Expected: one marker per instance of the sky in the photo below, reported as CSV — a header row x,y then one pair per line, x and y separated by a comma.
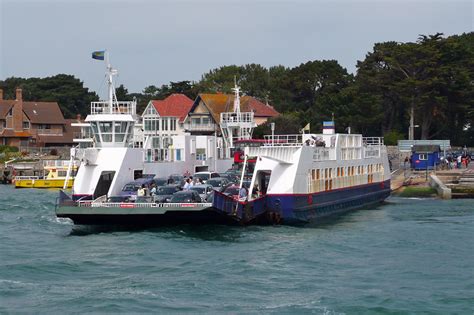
x,y
155,42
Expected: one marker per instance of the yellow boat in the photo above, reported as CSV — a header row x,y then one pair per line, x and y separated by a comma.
x,y
55,178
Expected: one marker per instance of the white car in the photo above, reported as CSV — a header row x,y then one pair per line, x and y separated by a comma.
x,y
204,176
203,190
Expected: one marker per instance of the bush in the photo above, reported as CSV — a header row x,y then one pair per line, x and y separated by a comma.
x,y
392,137
7,148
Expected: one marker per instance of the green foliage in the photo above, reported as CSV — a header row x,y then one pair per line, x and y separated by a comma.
x,y
284,124
392,137
7,149
433,75
70,93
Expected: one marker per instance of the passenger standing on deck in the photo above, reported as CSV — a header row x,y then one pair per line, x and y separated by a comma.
x,y
141,191
187,185
153,189
243,193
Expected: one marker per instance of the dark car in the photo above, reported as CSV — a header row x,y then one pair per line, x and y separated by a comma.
x,y
186,196
130,189
176,179
118,199
164,193
232,191
161,181
219,183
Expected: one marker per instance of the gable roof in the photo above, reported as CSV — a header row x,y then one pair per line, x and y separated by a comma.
x,y
43,112
175,105
220,103
5,106
37,112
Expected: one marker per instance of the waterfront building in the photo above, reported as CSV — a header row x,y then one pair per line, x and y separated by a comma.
x,y
204,116
26,124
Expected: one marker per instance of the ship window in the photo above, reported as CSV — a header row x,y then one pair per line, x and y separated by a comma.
x,y
106,137
120,127
313,174
318,175
342,171
325,173
105,126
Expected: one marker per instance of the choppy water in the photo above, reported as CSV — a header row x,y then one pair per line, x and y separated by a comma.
x,y
407,256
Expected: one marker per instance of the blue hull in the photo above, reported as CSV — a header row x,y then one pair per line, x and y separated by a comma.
x,y
294,209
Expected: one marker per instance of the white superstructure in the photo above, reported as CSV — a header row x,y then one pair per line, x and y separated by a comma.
x,y
117,156
316,163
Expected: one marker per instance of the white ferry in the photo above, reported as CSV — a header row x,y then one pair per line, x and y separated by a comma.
x,y
293,178
300,179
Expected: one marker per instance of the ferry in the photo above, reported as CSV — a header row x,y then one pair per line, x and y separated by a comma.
x,y
114,160
300,179
294,179
56,176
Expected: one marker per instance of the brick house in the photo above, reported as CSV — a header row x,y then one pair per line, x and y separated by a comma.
x,y
33,124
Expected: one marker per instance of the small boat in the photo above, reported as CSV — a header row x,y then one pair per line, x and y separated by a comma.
x,y
55,177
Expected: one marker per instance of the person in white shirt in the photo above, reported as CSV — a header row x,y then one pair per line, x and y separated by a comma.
x,y
141,191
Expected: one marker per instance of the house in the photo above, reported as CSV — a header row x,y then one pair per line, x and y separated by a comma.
x,y
425,157
162,120
34,124
204,115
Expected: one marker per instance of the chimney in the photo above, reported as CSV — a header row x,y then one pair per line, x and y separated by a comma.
x,y
19,96
18,112
1,94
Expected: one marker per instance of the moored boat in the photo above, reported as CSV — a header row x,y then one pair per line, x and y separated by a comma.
x,y
56,176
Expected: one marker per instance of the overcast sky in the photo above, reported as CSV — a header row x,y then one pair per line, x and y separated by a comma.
x,y
155,42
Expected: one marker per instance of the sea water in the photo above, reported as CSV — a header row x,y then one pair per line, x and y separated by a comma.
x,y
406,256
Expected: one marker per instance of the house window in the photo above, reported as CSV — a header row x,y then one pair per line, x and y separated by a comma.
x,y
26,125
205,121
423,156
10,112
196,121
173,124
165,124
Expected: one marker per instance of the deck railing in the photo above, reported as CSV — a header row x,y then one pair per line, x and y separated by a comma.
x,y
372,140
283,140
103,107
95,204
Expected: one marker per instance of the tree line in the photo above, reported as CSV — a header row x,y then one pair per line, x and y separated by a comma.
x,y
431,78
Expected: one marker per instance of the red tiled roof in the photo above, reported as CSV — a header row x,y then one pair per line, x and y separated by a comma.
x,y
175,105
260,109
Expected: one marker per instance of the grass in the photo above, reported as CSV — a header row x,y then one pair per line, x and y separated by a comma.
x,y
418,191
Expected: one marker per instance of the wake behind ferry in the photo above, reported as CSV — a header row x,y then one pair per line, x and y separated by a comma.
x,y
283,179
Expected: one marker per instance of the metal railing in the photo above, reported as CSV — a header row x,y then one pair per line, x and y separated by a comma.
x,y
95,204
103,107
49,132
372,140
198,127
57,163
283,140
231,117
